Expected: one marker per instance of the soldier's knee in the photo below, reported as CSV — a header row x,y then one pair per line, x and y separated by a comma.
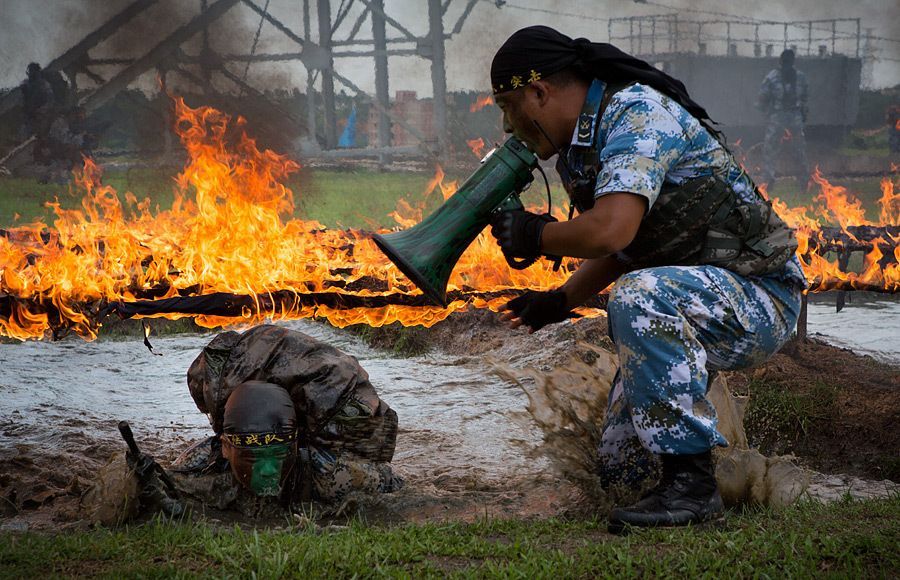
x,y
626,293
631,295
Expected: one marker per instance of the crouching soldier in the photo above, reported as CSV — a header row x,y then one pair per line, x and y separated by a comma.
x,y
295,420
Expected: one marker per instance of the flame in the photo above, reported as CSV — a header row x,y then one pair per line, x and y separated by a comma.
x,y
477,146
787,136
229,230
481,103
839,203
815,241
890,203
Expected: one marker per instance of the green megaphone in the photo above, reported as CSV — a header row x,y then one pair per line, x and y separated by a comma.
x,y
428,251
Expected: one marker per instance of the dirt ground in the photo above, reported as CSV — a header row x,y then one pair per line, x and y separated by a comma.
x,y
855,434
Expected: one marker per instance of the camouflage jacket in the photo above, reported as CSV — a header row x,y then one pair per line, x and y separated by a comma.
x,y
778,96
337,407
649,145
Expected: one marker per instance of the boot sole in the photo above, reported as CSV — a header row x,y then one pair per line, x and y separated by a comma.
x,y
620,528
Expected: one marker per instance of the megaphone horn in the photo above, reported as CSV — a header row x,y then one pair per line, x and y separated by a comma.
x,y
427,252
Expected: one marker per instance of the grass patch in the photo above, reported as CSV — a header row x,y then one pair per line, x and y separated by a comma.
x,y
337,198
855,539
399,340
779,416
357,198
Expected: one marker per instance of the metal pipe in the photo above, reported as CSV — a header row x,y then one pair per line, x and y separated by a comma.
x,y
324,10
382,89
438,74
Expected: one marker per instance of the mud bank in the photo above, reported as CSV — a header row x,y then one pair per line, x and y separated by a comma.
x,y
467,447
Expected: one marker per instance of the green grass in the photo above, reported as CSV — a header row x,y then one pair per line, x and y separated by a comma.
x,y
26,197
847,539
778,416
354,198
867,142
337,198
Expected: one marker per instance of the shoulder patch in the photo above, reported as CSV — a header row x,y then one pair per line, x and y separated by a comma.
x,y
603,178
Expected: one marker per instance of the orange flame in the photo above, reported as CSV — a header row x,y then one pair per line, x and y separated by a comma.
x,y
477,146
839,203
844,209
227,230
890,203
481,103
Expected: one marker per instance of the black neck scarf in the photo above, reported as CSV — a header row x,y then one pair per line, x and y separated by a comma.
x,y
536,52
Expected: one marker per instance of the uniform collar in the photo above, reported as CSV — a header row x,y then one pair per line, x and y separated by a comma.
x,y
586,127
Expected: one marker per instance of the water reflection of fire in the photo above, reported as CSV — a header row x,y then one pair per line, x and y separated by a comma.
x,y
228,231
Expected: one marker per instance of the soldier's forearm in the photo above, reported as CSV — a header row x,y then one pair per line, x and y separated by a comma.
x,y
591,277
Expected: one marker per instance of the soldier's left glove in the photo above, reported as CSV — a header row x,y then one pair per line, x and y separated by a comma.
x,y
538,309
518,233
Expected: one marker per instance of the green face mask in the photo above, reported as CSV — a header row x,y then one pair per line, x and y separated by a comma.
x,y
268,464
260,469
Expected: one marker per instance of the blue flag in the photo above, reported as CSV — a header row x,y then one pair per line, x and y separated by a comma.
x,y
348,137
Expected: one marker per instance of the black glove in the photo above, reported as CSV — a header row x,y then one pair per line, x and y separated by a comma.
x,y
538,309
518,233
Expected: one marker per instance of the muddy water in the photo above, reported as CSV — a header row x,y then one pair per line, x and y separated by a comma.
x,y
868,324
459,424
464,440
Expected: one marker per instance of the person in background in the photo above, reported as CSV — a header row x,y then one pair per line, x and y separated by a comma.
x,y
783,99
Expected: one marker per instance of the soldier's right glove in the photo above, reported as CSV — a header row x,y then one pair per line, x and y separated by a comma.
x,y
538,309
518,233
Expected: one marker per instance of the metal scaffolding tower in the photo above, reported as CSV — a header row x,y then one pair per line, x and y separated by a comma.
x,y
318,56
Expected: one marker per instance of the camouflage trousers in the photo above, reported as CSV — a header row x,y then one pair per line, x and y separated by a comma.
x,y
784,132
671,326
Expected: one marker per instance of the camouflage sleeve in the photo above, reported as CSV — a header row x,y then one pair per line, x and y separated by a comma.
x,y
644,141
764,98
334,476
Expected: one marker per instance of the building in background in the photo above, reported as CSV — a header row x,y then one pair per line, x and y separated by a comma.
x,y
417,113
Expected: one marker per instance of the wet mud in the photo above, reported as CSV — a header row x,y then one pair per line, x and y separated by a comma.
x,y
478,437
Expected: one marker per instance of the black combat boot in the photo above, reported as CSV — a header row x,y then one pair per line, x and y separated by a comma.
x,y
686,494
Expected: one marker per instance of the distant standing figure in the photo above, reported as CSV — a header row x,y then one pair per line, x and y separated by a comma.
x,y
783,100
893,119
37,101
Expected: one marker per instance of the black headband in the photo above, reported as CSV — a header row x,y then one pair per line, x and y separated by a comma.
x,y
537,52
258,439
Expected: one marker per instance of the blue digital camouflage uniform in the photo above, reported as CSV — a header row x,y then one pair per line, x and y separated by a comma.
x,y
674,324
784,106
